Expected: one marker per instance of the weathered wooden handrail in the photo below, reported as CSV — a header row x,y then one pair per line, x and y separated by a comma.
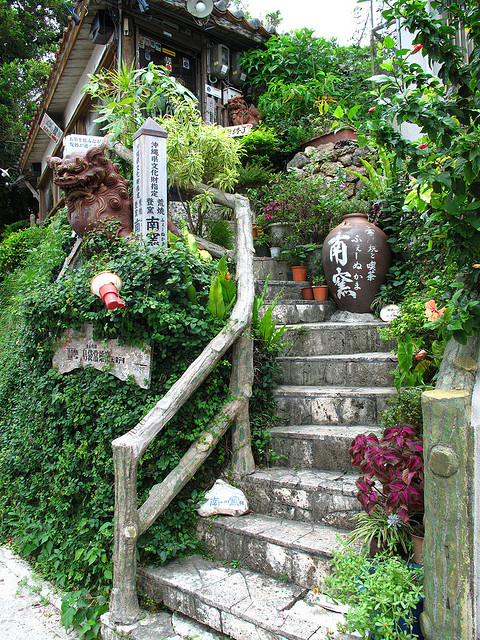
x,y
131,522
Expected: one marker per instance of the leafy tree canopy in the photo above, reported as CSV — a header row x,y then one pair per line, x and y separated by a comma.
x,y
29,31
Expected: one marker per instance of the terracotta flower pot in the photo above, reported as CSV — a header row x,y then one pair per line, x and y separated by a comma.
x,y
307,293
299,274
417,548
356,257
320,292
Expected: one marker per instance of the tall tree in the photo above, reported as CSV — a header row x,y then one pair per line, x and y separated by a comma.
x,y
29,31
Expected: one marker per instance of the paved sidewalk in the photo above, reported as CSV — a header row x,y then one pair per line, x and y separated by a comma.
x,y
25,609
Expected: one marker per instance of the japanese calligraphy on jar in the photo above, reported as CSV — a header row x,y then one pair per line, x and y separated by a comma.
x,y
150,183
356,258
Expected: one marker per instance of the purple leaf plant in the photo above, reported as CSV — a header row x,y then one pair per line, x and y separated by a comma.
x,y
392,469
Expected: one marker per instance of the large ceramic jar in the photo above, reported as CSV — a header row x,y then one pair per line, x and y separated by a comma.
x,y
356,258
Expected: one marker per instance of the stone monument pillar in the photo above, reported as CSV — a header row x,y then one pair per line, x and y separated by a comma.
x,y
150,183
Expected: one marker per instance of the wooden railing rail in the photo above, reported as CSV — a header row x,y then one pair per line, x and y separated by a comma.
x,y
130,521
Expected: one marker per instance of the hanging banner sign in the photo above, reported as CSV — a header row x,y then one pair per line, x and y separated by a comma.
x,y
52,130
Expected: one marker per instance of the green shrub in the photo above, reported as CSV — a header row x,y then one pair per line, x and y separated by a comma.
x,y
253,175
262,147
56,485
220,232
406,408
15,247
15,226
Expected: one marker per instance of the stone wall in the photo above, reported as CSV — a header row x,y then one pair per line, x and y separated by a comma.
x,y
331,160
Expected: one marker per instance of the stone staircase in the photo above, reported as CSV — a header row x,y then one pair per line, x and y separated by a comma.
x,y
335,380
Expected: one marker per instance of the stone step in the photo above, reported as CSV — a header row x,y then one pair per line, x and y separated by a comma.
x,y
317,446
295,312
332,338
298,552
263,267
285,290
332,405
240,603
373,369
308,495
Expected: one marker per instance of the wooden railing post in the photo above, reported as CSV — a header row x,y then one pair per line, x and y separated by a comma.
x,y
449,451
242,373
124,606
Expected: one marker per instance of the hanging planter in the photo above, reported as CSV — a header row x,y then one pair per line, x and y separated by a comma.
x,y
356,257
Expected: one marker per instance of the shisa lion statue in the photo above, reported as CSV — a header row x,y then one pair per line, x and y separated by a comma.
x,y
96,194
239,113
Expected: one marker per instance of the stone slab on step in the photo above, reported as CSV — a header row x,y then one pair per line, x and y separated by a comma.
x,y
263,267
330,338
308,495
317,446
240,603
332,405
298,552
156,626
285,290
372,369
293,312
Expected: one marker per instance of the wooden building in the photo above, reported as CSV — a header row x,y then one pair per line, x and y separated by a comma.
x,y
201,52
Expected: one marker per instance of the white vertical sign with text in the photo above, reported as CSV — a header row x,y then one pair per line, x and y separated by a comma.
x,y
150,183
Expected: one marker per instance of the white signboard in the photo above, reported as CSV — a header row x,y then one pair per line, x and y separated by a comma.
x,y
213,91
52,130
239,130
78,349
150,183
74,143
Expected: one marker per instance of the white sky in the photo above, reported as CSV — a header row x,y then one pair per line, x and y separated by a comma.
x,y
328,18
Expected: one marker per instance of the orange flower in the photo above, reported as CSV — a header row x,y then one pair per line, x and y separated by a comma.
x,y
316,592
432,312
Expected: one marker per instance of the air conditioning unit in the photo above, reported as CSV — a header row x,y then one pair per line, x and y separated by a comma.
x,y
220,61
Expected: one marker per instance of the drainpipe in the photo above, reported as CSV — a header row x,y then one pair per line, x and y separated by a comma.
x,y
119,29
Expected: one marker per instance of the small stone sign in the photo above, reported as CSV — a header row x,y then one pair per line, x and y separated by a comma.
x,y
390,312
78,349
238,130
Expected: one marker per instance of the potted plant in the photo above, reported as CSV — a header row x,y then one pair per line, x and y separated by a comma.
x,y
384,596
297,257
319,283
260,244
390,488
278,214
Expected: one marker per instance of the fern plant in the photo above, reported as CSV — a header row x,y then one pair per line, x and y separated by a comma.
x,y
378,181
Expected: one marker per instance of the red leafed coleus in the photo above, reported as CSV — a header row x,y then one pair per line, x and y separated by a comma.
x,y
392,469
